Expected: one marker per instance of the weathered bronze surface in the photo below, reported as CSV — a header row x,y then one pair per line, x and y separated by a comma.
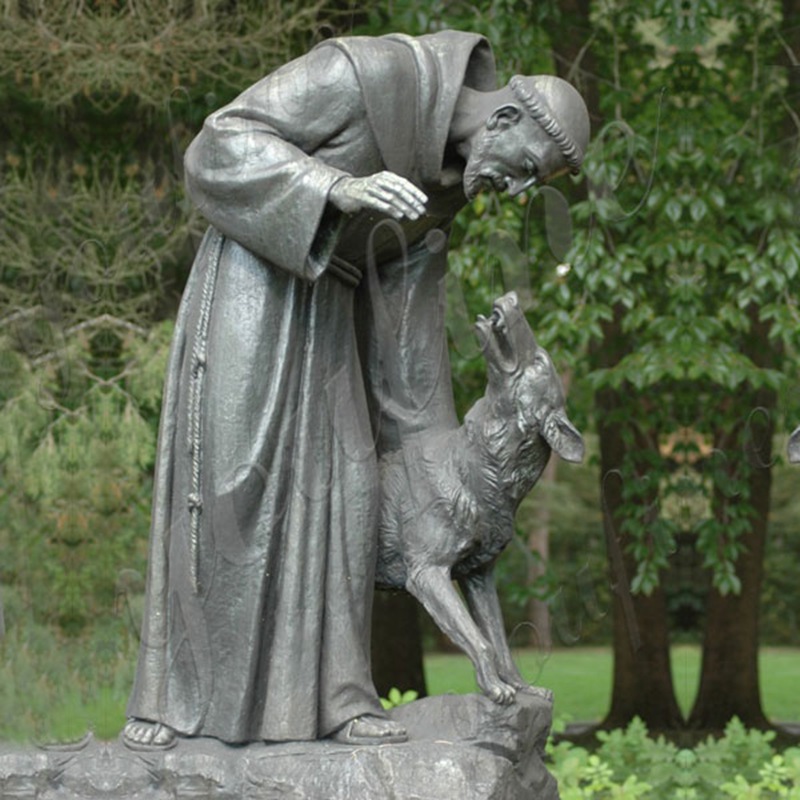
x,y
310,343
449,495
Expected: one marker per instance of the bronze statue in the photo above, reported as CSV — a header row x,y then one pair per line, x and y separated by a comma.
x,y
449,495
309,343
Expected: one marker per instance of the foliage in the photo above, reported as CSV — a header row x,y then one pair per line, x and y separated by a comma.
x,y
76,447
81,269
575,582
398,698
99,101
628,763
105,52
519,27
704,204
84,238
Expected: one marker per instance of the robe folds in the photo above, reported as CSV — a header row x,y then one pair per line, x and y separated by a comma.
x,y
307,342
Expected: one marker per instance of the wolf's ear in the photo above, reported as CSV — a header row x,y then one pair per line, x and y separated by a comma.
x,y
563,437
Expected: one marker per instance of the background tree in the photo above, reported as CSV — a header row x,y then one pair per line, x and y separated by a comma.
x,y
702,321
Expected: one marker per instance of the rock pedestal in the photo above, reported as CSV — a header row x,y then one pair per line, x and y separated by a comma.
x,y
460,747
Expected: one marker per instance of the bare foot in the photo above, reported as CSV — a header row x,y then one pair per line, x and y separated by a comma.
x,y
141,734
369,729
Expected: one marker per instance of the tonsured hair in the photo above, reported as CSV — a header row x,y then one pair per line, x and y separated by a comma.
x,y
536,105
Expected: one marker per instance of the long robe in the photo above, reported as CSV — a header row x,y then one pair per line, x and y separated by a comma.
x,y
307,342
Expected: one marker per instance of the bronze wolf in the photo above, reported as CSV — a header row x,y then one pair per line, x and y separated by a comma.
x,y
449,497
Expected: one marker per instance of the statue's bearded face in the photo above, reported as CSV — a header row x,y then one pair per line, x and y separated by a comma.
x,y
511,155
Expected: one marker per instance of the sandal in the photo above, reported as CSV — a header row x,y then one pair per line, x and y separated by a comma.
x,y
160,737
369,729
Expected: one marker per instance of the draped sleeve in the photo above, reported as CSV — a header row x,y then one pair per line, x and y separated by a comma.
x,y
252,170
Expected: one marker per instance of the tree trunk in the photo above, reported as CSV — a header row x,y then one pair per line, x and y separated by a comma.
x,y
729,679
575,62
791,33
729,683
539,542
729,673
397,644
642,680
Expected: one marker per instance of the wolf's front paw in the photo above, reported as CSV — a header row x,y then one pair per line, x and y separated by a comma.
x,y
540,691
495,688
503,694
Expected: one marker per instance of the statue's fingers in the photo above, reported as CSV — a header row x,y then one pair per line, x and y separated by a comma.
x,y
405,190
404,208
384,206
410,201
396,205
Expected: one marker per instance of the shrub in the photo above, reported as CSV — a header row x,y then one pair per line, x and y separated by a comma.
x,y
630,764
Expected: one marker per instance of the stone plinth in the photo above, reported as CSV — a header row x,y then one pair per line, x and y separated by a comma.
x,y
460,747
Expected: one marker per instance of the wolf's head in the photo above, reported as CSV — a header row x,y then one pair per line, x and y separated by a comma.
x,y
522,381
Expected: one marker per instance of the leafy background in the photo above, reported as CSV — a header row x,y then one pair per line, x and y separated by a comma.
x,y
662,280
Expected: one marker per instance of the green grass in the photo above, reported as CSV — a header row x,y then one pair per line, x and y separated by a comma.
x,y
779,669
54,690
581,678
51,690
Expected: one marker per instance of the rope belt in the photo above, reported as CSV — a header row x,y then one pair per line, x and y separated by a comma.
x,y
199,361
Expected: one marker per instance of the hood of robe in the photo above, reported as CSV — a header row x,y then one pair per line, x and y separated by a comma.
x,y
410,86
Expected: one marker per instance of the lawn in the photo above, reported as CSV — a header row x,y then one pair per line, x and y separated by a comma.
x,y
34,703
581,678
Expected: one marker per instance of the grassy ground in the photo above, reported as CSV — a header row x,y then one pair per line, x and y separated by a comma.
x,y
581,679
57,699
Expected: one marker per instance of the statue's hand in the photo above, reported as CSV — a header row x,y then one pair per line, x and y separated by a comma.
x,y
384,192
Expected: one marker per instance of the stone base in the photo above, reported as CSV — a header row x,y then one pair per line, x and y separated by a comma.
x,y
460,746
